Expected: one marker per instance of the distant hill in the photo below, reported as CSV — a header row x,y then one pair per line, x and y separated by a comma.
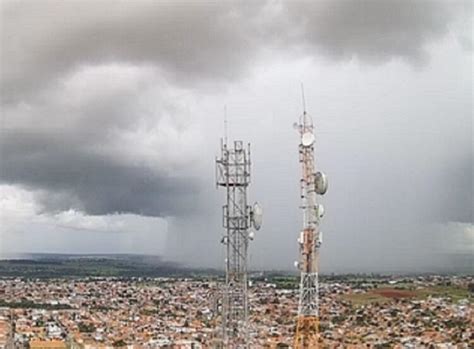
x,y
46,265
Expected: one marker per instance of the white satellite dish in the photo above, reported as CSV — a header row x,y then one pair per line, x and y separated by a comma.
x,y
257,214
320,183
319,211
297,264
301,238
307,139
319,241
251,235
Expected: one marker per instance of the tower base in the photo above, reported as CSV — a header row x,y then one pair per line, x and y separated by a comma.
x,y
307,329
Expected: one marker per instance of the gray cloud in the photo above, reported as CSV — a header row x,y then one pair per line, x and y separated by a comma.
x,y
42,40
373,31
208,41
112,106
113,147
68,177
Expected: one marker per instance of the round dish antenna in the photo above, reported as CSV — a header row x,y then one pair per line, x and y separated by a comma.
x,y
320,183
257,214
319,211
307,139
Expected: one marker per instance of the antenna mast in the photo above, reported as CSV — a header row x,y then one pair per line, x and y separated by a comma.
x,y
225,124
310,239
303,99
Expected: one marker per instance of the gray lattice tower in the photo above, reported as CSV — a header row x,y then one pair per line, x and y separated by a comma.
x,y
233,173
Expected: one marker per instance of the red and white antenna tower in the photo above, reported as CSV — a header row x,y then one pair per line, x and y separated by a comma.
x,y
312,184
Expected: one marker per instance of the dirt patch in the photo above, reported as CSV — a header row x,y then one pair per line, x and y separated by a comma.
x,y
394,293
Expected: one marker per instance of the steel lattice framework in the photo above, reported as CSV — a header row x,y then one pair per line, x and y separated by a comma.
x,y
233,173
309,241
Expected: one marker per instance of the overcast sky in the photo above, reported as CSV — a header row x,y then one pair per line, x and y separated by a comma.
x,y
112,113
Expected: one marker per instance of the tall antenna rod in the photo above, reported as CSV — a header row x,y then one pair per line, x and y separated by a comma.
x,y
225,124
302,96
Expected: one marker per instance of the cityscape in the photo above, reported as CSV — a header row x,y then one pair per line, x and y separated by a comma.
x,y
374,311
265,174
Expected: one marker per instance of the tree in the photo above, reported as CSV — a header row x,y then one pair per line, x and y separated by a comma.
x,y
119,343
85,328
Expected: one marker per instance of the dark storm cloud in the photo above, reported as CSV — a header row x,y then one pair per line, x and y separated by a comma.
x,y
371,30
70,178
199,41
63,131
112,106
103,140
187,39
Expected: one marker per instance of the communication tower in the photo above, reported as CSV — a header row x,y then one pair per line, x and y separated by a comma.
x,y
233,173
312,184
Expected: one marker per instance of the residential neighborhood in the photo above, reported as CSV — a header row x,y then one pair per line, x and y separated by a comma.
x,y
408,312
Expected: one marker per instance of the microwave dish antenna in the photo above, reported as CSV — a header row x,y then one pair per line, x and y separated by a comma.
x,y
257,216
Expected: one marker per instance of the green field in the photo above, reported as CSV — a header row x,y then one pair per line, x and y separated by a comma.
x,y
455,293
385,294
358,299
